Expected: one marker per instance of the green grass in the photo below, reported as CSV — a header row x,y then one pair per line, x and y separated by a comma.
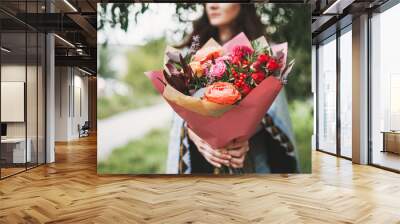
x,y
109,106
147,155
302,121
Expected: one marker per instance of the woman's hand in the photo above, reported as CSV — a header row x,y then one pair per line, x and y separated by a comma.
x,y
216,157
238,151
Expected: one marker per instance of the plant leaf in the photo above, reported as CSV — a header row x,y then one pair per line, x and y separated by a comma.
x,y
177,82
187,70
172,69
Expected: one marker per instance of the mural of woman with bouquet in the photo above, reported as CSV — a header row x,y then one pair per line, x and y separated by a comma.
x,y
271,147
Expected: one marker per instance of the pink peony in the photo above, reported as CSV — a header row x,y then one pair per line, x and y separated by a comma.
x,y
217,69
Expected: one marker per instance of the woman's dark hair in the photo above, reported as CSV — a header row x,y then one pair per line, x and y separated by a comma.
x,y
247,21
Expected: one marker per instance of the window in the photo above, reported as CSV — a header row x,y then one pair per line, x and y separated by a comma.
x,y
346,92
327,95
22,78
385,89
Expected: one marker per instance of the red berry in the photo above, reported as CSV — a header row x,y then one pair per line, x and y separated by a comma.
x,y
246,89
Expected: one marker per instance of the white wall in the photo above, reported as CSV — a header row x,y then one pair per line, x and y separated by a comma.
x,y
80,109
327,96
14,73
71,94
62,81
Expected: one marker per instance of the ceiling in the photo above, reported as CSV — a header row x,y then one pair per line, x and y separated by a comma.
x,y
329,15
74,22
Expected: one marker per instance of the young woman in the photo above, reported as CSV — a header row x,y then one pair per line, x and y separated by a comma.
x,y
271,149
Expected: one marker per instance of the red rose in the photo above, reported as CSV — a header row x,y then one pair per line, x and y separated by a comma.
x,y
258,77
241,51
245,89
236,60
272,65
261,61
262,58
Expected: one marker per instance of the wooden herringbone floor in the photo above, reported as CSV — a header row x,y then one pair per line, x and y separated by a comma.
x,y
70,191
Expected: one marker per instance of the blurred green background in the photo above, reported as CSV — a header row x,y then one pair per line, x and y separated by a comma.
x,y
148,154
141,92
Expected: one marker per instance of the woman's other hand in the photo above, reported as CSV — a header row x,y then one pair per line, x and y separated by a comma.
x,y
216,157
238,151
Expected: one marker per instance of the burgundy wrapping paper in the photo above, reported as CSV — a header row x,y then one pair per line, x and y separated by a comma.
x,y
238,124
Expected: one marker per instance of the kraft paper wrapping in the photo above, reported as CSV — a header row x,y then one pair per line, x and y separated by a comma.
x,y
210,45
193,104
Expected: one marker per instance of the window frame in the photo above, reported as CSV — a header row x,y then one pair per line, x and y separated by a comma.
x,y
343,26
29,29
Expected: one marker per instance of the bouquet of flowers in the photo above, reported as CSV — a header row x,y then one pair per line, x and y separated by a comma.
x,y
223,92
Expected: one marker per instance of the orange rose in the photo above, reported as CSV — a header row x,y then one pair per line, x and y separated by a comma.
x,y
197,68
222,93
207,53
